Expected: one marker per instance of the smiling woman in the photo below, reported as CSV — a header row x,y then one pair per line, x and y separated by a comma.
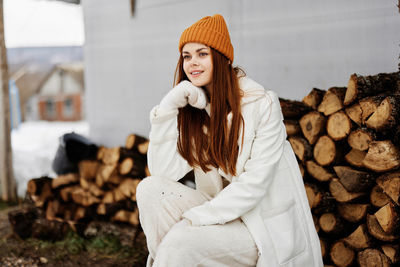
x,y
249,207
197,64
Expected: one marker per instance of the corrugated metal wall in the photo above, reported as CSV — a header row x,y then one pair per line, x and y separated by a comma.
x,y
288,46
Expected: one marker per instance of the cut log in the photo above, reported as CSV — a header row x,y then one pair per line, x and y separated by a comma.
x,y
340,193
128,188
66,192
313,195
359,239
66,179
386,116
53,209
127,216
132,168
88,169
361,138
115,179
21,221
83,197
35,186
330,223
382,156
341,254
292,127
352,212
369,105
318,172
324,248
372,258
134,140
49,230
319,200
109,209
332,101
111,155
100,153
143,148
104,173
325,152
316,222
390,184
338,125
314,98
355,113
362,86
42,190
388,218
108,197
302,171
301,147
95,190
392,252
312,125
375,229
355,157
292,109
377,197
354,180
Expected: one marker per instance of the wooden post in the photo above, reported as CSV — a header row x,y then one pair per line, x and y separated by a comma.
x,y
7,184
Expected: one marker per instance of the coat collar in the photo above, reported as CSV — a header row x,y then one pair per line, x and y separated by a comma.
x,y
251,91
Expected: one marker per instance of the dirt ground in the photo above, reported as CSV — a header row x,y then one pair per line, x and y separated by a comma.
x,y
73,250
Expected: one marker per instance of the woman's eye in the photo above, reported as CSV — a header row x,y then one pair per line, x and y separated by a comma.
x,y
203,54
185,57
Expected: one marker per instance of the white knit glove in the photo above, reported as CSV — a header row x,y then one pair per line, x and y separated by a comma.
x,y
182,94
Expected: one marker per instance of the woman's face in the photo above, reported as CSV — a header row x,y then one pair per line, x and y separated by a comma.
x,y
197,64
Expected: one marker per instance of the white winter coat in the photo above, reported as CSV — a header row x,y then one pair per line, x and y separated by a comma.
x,y
268,191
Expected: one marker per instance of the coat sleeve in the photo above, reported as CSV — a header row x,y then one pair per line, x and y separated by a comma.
x,y
163,157
245,192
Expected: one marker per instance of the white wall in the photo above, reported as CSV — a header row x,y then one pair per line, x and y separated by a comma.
x,y
288,46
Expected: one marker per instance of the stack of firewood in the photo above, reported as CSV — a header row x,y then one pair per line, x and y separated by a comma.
x,y
347,144
102,189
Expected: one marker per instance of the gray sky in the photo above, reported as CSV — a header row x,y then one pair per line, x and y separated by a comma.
x,y
42,23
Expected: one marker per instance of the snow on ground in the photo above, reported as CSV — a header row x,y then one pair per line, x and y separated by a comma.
x,y
34,145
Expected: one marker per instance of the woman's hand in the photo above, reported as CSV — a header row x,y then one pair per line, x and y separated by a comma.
x,y
182,94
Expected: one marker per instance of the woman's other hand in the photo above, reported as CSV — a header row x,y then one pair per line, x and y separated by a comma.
x,y
182,94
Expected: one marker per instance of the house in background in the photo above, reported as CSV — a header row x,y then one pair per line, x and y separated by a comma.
x,y
60,97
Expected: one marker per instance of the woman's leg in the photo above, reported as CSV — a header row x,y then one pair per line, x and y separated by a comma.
x,y
161,202
214,245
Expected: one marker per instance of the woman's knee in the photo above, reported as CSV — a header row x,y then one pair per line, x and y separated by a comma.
x,y
148,187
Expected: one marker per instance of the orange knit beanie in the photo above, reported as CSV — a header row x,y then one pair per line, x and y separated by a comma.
x,y
211,31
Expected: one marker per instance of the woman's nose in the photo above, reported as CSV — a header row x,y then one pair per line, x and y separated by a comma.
x,y
194,61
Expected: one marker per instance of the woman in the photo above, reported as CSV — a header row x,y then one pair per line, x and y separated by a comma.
x,y
249,207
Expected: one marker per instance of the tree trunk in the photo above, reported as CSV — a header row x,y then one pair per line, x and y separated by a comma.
x,y
7,184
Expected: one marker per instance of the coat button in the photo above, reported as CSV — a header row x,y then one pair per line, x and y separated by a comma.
x,y
259,253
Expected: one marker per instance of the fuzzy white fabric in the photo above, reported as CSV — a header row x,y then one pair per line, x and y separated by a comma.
x,y
175,242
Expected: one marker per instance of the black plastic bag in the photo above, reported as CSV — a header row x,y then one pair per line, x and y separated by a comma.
x,y
72,149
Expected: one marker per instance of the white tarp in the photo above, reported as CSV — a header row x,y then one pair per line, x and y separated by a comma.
x,y
34,145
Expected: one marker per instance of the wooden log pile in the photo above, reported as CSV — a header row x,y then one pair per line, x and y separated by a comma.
x,y
102,189
347,142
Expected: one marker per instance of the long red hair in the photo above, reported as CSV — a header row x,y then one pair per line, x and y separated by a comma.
x,y
208,140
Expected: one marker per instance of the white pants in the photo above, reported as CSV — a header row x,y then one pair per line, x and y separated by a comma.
x,y
173,242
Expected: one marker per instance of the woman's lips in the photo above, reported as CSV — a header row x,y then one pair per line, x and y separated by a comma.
x,y
196,73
